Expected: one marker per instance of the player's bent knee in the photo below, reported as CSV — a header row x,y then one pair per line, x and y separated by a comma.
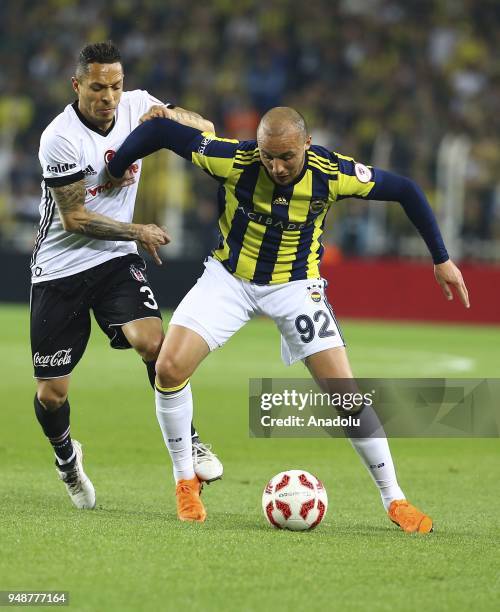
x,y
51,399
145,336
170,372
149,348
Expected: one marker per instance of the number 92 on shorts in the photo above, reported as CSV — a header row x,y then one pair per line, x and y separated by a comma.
x,y
220,304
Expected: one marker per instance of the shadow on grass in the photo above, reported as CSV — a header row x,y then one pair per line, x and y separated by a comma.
x,y
56,507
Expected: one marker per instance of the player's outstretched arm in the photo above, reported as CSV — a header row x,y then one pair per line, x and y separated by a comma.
x,y
449,277
392,187
206,150
151,136
76,218
179,115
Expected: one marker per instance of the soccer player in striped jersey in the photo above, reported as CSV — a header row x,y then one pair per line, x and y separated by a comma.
x,y
274,195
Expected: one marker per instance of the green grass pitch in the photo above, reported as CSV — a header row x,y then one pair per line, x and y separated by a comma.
x,y
132,554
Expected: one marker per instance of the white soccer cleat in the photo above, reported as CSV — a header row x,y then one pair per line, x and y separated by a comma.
x,y
206,464
77,483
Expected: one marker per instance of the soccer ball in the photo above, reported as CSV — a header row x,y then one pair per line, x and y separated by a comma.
x,y
294,500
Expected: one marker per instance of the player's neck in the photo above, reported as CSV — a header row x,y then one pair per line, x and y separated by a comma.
x,y
101,127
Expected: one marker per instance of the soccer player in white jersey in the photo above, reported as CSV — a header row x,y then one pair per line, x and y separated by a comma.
x,y
85,256
274,195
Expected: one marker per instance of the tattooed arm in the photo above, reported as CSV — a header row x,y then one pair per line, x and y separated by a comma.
x,y
70,201
191,119
180,115
75,218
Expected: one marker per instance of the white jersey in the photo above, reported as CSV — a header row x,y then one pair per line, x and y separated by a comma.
x,y
72,149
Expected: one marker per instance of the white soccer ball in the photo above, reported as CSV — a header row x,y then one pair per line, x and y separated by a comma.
x,y
294,500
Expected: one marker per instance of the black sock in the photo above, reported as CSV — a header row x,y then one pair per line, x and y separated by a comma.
x,y
55,425
150,367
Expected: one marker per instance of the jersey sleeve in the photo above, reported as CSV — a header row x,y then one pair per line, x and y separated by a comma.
x,y
142,101
149,100
210,153
354,179
214,155
60,160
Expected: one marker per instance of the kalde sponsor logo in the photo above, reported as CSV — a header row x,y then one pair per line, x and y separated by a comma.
x,y
58,168
62,357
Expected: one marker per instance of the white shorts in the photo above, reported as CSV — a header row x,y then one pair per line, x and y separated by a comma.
x,y
220,304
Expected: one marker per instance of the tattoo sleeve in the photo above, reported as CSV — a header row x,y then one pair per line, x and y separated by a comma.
x,y
191,119
70,197
70,201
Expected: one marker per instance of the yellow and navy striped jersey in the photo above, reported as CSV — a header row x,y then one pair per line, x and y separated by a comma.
x,y
271,234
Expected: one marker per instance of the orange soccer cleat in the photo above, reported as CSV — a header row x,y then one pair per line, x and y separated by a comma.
x,y
189,504
409,518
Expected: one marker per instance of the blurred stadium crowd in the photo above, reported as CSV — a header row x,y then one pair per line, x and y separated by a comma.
x,y
381,80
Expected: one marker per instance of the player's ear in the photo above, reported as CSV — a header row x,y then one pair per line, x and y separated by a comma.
x,y
307,144
75,84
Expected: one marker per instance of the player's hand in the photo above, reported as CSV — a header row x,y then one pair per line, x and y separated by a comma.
x,y
449,276
151,237
158,111
125,181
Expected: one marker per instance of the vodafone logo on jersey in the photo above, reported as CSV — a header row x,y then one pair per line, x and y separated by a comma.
x,y
60,358
93,191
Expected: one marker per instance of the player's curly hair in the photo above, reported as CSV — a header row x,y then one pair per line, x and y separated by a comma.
x,y
100,53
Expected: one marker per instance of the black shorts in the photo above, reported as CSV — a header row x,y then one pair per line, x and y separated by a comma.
x,y
116,290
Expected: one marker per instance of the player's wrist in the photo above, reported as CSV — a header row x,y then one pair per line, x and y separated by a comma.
x,y
138,231
114,179
442,263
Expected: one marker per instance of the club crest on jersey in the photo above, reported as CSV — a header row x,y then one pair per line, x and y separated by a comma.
x,y
317,205
108,156
281,201
315,296
137,273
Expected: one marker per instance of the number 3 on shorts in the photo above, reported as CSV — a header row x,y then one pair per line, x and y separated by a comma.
x,y
305,326
150,302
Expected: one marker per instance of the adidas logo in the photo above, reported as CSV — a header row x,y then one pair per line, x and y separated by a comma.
x,y
280,201
89,171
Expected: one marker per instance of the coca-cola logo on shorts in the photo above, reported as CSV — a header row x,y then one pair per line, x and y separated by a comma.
x,y
60,358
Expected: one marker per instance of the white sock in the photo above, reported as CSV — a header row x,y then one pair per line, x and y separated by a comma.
x,y
174,411
376,455
373,448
